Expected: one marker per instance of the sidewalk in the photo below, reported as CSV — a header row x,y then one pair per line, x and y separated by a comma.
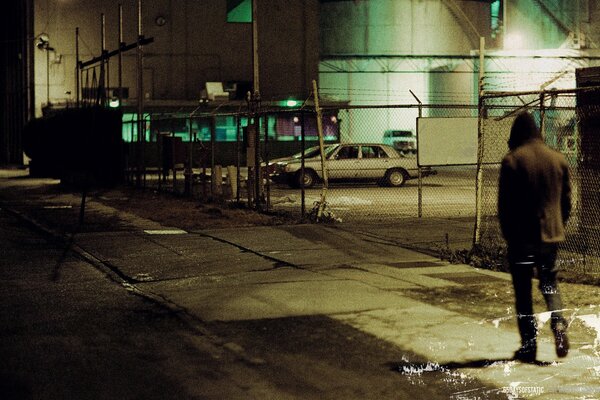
x,y
458,318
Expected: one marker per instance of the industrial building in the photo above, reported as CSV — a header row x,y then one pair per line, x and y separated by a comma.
x,y
361,52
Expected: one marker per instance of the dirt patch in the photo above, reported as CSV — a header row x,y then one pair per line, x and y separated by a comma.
x,y
186,213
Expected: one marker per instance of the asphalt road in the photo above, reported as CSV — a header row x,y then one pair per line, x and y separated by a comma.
x,y
70,332
449,194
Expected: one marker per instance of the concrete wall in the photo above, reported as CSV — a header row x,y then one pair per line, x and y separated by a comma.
x,y
357,35
401,27
591,13
195,45
542,28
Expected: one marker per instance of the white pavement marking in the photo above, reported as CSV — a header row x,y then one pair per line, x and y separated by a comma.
x,y
164,231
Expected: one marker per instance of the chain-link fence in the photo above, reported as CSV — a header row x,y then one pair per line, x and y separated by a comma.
x,y
214,156
372,165
180,152
376,177
432,191
569,125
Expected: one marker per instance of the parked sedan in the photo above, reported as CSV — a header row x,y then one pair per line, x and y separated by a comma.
x,y
349,162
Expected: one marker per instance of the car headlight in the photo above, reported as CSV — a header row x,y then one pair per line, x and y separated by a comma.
x,y
274,168
292,167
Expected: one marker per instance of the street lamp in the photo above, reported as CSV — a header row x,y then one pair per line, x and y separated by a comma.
x,y
43,43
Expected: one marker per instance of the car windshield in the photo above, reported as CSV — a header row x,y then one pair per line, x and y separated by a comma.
x,y
313,152
406,134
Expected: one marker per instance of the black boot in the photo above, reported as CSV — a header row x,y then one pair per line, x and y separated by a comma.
x,y
528,330
561,341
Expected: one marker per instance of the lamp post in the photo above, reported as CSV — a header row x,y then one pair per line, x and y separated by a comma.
x,y
43,44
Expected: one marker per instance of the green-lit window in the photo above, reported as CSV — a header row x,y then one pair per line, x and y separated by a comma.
x,y
129,129
239,11
495,9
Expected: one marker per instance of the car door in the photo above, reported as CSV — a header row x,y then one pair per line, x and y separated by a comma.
x,y
343,164
373,163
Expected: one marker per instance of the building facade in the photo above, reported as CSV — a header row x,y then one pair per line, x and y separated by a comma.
x,y
194,42
399,52
360,51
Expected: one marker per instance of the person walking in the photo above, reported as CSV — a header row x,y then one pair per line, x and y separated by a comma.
x,y
534,204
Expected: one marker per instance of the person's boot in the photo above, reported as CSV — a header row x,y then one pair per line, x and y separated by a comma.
x,y
528,330
561,341
528,351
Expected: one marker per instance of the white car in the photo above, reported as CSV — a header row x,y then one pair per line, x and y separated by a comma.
x,y
403,141
348,162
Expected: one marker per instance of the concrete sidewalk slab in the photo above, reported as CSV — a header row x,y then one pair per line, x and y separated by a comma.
x,y
464,348
279,300
169,256
317,245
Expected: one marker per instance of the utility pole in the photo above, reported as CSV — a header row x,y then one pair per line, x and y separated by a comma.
x,y
140,96
77,69
121,45
255,106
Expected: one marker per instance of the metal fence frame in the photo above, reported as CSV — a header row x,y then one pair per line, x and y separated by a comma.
x,y
581,251
195,158
200,156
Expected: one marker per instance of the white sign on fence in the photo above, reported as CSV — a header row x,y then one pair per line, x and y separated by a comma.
x,y
447,141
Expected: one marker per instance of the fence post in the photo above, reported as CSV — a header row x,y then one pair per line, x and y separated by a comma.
x,y
302,163
159,157
321,145
265,171
479,178
419,176
250,149
213,134
257,175
237,157
542,116
188,174
420,181
144,169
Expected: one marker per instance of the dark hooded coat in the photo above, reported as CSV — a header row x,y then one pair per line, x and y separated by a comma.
x,y
534,194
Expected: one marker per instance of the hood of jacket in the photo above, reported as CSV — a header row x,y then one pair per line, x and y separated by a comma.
x,y
524,129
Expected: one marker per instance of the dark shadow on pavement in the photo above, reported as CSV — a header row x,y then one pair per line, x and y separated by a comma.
x,y
406,367
57,267
484,363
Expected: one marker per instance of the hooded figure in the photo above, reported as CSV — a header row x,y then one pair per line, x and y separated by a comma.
x,y
534,200
534,203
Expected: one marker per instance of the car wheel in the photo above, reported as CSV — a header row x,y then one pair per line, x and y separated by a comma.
x,y
309,178
395,177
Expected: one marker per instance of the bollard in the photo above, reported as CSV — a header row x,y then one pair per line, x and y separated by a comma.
x,y
217,182
232,179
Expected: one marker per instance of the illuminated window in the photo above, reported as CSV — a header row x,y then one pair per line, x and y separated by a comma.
x,y
280,127
130,127
239,11
495,8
